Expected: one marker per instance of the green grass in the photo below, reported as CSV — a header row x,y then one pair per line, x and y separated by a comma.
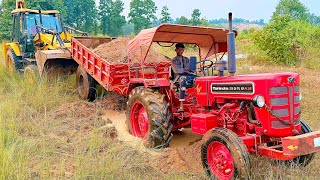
x,y
24,107
46,132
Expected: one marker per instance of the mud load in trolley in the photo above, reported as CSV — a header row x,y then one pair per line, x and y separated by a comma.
x,y
237,115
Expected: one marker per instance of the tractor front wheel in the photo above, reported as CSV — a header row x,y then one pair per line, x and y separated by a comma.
x,y
148,117
86,85
224,155
13,62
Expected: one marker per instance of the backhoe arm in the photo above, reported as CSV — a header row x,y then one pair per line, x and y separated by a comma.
x,y
20,4
54,33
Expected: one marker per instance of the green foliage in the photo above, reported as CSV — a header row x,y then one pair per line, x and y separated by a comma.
x,y
285,42
118,21
195,17
110,17
5,19
288,38
246,34
291,9
183,20
314,19
128,28
165,15
142,12
104,15
81,14
47,5
237,21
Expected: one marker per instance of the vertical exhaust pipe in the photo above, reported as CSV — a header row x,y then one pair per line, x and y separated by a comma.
x,y
232,67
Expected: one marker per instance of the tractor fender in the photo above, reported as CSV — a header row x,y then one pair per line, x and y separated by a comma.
x,y
147,83
15,47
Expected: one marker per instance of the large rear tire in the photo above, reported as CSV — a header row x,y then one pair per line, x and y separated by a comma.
x,y
148,117
86,85
224,155
13,62
304,160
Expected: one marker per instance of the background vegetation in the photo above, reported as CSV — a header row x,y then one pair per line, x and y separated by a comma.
x,y
291,38
106,17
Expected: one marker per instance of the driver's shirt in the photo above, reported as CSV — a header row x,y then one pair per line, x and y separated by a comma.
x,y
180,65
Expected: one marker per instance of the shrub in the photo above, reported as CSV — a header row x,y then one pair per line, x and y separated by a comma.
x,y
285,41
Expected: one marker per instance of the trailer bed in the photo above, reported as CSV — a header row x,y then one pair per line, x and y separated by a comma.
x,y
115,77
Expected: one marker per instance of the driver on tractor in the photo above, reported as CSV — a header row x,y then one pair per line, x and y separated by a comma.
x,y
182,73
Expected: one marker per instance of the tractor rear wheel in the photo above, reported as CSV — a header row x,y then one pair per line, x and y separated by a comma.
x,y
86,85
224,155
13,62
31,73
303,160
148,117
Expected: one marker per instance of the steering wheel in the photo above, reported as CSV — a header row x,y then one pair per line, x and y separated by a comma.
x,y
204,68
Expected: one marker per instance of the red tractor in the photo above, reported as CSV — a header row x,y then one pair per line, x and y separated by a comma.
x,y
238,115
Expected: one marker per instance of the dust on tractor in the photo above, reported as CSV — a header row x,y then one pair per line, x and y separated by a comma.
x,y
237,115
39,42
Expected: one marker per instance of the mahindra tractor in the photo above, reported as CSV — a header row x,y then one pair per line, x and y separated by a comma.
x,y
237,115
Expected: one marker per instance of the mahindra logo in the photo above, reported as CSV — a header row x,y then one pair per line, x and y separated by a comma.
x,y
291,79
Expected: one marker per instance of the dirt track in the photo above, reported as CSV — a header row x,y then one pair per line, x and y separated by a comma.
x,y
183,155
109,117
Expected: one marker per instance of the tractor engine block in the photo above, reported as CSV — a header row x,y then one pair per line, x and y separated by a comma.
x,y
231,116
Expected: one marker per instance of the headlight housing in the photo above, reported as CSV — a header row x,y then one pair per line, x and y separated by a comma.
x,y
258,101
300,97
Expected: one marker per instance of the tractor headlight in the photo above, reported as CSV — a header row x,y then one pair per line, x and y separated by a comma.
x,y
300,97
258,101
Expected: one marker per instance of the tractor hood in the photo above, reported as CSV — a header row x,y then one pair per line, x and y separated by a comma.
x,y
243,87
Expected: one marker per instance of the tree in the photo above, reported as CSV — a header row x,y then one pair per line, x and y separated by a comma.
x,y
47,5
183,20
195,17
117,20
165,15
204,22
73,9
82,14
105,15
291,10
314,19
110,17
142,12
5,18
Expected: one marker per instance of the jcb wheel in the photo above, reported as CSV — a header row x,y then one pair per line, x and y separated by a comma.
x,y
304,160
13,62
31,73
86,85
224,155
148,117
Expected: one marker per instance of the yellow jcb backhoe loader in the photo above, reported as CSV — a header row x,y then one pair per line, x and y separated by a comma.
x,y
39,43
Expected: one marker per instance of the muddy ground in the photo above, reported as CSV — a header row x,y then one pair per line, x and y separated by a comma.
x,y
108,117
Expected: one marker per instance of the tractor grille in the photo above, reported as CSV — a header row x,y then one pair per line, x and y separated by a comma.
x,y
285,103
